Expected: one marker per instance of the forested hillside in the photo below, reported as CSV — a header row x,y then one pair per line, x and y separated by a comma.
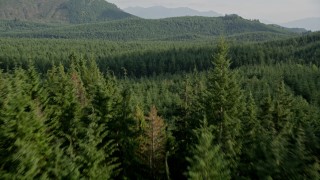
x,y
182,28
60,11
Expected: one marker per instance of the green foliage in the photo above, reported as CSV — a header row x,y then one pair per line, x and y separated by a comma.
x,y
250,140
144,58
24,143
224,106
207,160
50,129
125,29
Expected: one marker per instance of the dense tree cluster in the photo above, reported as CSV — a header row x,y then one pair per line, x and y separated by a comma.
x,y
141,58
130,28
251,121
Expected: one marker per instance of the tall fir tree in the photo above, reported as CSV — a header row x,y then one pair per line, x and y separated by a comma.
x,y
277,124
94,151
224,106
111,106
185,122
283,115
64,112
250,139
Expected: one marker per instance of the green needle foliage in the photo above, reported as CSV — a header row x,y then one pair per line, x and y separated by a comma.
x,y
207,160
24,143
224,106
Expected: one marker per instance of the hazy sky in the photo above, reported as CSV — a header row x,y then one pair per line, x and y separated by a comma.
x,y
277,11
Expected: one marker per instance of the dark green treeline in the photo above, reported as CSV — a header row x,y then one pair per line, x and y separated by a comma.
x,y
149,58
252,122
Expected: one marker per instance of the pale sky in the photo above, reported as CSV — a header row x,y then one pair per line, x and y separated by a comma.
x,y
276,11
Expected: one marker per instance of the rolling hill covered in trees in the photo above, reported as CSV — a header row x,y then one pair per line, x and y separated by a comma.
x,y
181,28
60,11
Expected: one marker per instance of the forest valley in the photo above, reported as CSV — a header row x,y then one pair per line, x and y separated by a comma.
x,y
90,109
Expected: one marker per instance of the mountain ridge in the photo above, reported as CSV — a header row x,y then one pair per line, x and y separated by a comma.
x,y
60,11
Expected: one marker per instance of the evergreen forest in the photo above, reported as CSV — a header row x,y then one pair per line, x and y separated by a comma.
x,y
176,99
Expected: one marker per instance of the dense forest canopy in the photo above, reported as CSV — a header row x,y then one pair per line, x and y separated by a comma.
x,y
77,120
177,98
147,58
173,29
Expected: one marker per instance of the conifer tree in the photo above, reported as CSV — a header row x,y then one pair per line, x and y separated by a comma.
x,y
283,115
64,111
4,92
264,155
277,126
141,139
299,162
207,160
283,123
224,106
250,139
302,162
24,141
266,115
152,148
111,111
190,110
95,153
96,156
78,116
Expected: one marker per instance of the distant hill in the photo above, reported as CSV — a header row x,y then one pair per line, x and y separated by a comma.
x,y
66,11
179,28
295,30
158,12
312,24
